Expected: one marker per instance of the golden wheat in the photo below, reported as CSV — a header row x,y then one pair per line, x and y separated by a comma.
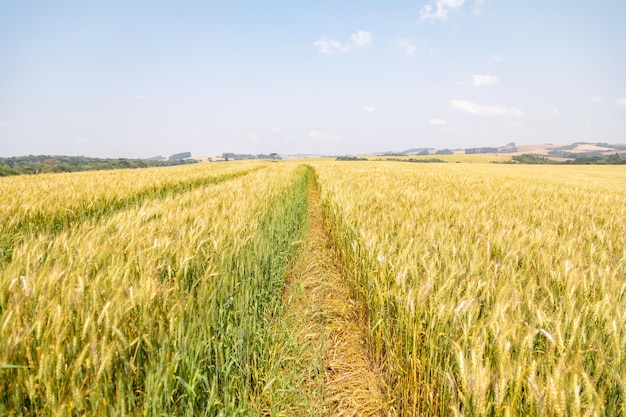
x,y
489,289
486,289
155,308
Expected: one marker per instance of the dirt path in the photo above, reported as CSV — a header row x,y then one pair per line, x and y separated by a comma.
x,y
326,322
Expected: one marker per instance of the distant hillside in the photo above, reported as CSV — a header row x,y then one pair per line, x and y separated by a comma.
x,y
581,159
577,153
54,163
575,150
417,151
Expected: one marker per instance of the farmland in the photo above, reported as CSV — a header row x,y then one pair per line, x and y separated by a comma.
x,y
488,291
458,289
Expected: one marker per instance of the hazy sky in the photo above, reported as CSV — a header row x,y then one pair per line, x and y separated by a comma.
x,y
142,78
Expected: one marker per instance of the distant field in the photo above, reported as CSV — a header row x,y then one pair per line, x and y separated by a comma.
x,y
481,289
463,158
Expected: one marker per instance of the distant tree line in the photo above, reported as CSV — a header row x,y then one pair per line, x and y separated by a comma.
x,y
531,159
229,156
472,151
576,155
585,159
36,164
350,158
578,159
417,161
508,148
426,161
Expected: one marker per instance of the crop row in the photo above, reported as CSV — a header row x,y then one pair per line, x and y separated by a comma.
x,y
50,203
488,290
159,308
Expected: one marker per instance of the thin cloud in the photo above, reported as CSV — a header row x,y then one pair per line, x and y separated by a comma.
x,y
3,124
480,110
621,101
276,129
407,45
597,99
329,46
369,109
441,11
253,137
496,58
139,97
361,39
437,122
81,140
481,80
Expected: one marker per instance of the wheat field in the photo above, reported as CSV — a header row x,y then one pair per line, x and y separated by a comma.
x,y
489,290
483,289
157,307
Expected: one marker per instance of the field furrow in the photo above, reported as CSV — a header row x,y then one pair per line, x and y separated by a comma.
x,y
326,369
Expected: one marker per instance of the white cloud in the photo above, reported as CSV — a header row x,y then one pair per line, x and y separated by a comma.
x,y
554,111
369,109
597,99
318,134
81,140
621,101
276,129
361,39
252,136
481,80
479,110
496,58
328,46
3,124
437,122
441,12
138,97
407,45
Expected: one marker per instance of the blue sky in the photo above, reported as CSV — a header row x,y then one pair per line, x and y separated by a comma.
x,y
145,78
